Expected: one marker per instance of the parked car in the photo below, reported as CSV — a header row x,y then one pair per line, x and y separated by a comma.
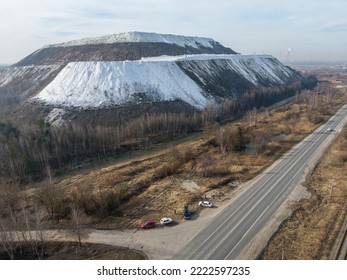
x,y
148,224
165,221
186,213
205,203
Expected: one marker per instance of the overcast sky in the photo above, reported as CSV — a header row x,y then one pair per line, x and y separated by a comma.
x,y
310,29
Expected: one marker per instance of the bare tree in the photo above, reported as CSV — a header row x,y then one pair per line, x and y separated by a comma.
x,y
52,198
206,163
77,217
252,116
267,113
329,96
175,159
28,236
223,138
7,240
312,100
238,139
49,172
39,225
327,88
9,197
257,143
83,197
291,120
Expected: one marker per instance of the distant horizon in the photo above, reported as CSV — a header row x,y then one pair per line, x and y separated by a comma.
x,y
312,30
304,62
292,62
285,60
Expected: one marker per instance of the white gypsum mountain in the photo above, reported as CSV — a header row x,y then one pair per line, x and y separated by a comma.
x,y
95,84
142,37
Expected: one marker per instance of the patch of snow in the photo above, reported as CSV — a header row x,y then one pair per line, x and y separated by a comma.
x,y
145,37
55,117
190,186
341,86
204,57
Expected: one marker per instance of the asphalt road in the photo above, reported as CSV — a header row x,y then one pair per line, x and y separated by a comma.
x,y
232,230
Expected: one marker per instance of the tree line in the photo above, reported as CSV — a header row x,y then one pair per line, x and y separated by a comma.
x,y
32,152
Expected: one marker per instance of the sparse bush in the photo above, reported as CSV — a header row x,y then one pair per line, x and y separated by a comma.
x,y
206,164
238,139
224,140
219,171
188,155
84,198
165,170
338,162
54,200
108,203
111,202
315,117
9,199
344,132
123,194
342,157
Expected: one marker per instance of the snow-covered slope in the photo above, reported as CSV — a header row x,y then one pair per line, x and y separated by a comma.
x,y
143,37
95,84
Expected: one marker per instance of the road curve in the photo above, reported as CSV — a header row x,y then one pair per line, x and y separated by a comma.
x,y
231,231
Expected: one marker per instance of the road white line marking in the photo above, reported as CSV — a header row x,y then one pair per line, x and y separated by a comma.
x,y
301,145
260,188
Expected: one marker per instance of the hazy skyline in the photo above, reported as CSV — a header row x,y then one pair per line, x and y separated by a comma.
x,y
311,30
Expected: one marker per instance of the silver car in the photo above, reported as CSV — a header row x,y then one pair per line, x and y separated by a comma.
x,y
165,221
206,203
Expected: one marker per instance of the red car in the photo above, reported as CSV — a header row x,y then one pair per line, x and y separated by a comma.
x,y
148,224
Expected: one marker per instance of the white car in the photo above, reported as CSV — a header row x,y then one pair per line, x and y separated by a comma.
x,y
165,221
206,203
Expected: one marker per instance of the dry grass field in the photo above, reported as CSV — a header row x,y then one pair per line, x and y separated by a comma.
x,y
311,231
159,185
72,251
125,194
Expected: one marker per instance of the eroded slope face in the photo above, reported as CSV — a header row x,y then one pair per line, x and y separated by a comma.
x,y
19,83
231,75
33,74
